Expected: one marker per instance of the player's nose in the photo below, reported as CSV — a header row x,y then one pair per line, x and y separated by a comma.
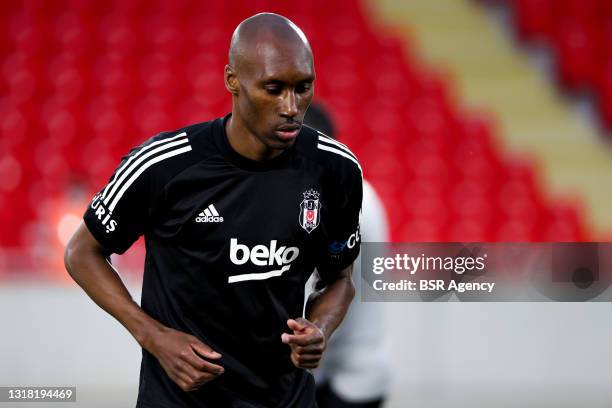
x,y
288,106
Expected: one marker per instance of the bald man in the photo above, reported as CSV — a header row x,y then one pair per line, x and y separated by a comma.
x,y
236,213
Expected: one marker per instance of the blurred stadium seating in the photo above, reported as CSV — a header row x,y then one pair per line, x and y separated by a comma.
x,y
83,81
579,32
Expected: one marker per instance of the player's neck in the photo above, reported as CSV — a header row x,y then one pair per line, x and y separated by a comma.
x,y
243,142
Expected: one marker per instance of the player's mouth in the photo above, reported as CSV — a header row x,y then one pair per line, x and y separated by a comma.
x,y
288,132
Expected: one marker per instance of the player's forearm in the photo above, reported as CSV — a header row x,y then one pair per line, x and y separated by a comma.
x,y
90,269
328,307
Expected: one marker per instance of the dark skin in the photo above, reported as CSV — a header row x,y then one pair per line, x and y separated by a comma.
x,y
186,360
324,311
270,77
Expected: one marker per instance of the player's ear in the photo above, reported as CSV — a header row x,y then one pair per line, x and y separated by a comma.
x,y
231,80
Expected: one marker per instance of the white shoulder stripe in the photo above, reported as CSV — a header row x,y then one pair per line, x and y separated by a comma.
x,y
142,159
341,153
136,155
337,145
148,164
331,140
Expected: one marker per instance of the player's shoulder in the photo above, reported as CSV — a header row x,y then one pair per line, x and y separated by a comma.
x,y
190,134
333,155
170,152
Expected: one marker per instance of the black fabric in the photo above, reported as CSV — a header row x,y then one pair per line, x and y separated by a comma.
x,y
211,218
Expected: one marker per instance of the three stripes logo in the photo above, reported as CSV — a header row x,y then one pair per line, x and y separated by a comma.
x,y
104,203
210,214
328,144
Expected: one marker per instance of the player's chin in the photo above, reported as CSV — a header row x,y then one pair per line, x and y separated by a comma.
x,y
280,143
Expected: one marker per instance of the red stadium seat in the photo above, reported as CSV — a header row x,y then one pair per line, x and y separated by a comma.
x,y
534,19
605,94
576,53
83,81
580,33
582,10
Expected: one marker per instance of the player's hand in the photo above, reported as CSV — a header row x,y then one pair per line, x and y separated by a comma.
x,y
184,358
307,343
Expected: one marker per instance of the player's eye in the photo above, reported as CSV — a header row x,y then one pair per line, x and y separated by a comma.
x,y
303,87
273,89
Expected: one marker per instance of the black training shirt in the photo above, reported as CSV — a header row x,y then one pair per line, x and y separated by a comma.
x,y
230,243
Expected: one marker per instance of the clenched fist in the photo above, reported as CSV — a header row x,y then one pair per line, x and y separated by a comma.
x,y
307,343
183,358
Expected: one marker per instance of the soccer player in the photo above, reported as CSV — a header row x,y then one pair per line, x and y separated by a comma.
x,y
236,213
355,370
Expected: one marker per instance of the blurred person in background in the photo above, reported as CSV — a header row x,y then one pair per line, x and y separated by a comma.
x,y
355,370
236,213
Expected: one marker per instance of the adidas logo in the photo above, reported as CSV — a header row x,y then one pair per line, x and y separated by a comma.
x,y
209,214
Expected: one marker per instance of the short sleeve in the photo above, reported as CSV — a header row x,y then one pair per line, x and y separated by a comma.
x,y
121,211
342,235
117,214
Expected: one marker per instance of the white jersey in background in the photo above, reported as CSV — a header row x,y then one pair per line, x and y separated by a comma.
x,y
356,363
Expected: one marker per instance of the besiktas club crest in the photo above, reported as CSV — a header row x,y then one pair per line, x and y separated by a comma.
x,y
310,207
